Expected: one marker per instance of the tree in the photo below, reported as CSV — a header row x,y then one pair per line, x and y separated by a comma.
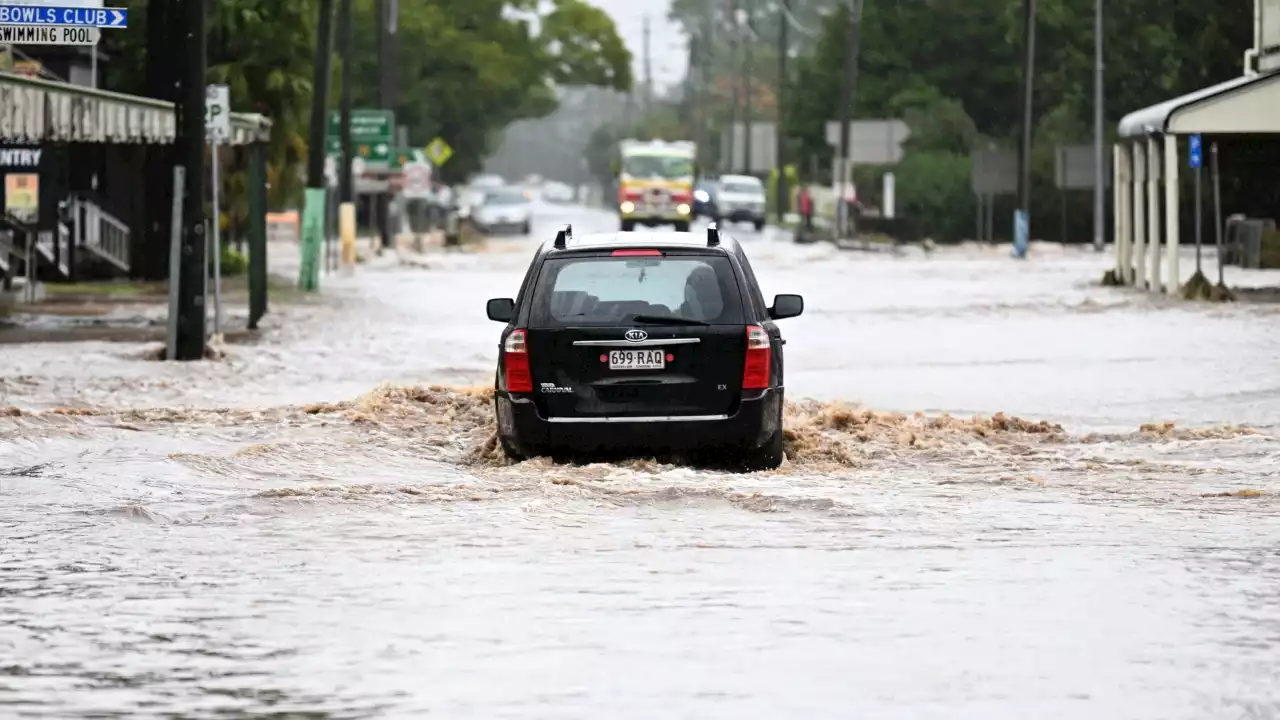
x,y
469,68
952,71
466,68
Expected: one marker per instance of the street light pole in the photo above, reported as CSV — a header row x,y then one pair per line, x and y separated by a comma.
x,y
783,201
346,183
748,87
731,164
848,91
1022,219
1099,204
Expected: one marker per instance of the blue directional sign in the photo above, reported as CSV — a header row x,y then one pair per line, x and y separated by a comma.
x,y
65,16
1195,156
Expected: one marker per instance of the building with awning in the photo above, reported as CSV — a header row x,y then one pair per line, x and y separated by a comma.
x,y
1153,143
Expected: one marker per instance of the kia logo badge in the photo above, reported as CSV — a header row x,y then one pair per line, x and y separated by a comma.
x,y
636,335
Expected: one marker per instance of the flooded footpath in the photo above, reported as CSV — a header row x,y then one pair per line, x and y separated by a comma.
x,y
1009,493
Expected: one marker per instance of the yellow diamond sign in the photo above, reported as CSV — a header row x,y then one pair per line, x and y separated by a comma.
x,y
439,152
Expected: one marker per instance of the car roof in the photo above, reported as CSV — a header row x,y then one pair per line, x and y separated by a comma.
x,y
744,178
613,240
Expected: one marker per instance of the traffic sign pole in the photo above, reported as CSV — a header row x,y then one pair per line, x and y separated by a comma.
x,y
1196,159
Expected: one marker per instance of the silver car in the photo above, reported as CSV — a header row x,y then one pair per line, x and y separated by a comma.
x,y
741,198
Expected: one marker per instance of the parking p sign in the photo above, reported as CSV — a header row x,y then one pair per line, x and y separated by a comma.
x,y
217,112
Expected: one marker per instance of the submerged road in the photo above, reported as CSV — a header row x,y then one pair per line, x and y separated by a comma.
x,y
307,526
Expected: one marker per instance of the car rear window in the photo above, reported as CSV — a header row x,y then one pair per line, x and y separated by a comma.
x,y
504,198
608,290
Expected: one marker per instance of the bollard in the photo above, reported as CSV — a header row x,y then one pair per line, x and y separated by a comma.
x,y
347,236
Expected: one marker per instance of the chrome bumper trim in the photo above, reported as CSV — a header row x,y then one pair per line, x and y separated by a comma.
x,y
656,419
642,343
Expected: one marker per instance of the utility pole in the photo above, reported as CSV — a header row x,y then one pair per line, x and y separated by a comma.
x,y
387,16
731,164
705,135
748,87
189,340
780,136
1022,220
848,92
346,183
648,70
1099,174
313,213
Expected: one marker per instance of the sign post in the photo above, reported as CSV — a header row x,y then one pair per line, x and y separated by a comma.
x,y
218,125
1195,158
37,24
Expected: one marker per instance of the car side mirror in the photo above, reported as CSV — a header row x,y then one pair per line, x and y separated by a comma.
x,y
501,309
786,306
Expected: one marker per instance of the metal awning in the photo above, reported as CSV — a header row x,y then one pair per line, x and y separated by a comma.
x,y
1243,105
34,111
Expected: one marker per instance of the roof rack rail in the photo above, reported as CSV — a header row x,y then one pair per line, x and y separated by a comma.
x,y
713,235
562,237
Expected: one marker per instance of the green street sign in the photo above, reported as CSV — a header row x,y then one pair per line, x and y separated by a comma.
x,y
370,152
439,152
367,126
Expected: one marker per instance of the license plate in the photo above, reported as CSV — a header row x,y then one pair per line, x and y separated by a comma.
x,y
637,359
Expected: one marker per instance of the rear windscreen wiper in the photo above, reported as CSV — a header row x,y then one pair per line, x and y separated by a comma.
x,y
665,320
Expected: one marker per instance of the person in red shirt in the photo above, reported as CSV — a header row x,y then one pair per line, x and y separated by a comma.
x,y
806,207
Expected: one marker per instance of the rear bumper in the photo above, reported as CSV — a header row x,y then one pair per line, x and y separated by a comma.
x,y
742,215
756,420
495,228
657,217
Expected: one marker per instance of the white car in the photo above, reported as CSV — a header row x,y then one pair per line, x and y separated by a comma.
x,y
502,211
487,181
557,192
740,198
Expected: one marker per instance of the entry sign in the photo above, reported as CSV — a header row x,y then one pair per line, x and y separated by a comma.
x,y
90,17
1195,157
217,112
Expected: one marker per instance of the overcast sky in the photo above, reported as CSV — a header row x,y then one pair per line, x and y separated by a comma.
x,y
667,43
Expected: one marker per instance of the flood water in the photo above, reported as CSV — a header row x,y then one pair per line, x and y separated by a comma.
x,y
318,524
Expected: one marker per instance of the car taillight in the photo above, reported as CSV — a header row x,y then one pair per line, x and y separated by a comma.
x,y
515,359
681,196
755,374
632,194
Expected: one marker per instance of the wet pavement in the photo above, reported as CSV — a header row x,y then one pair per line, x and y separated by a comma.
x,y
310,526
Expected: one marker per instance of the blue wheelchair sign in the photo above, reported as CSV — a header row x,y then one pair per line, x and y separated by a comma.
x,y
1195,154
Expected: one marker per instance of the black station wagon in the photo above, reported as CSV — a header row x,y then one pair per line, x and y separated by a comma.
x,y
654,343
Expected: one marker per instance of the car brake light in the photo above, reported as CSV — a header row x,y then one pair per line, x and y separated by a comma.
x,y
515,360
635,253
756,372
632,194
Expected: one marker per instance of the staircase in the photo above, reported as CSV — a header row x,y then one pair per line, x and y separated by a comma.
x,y
86,234
97,232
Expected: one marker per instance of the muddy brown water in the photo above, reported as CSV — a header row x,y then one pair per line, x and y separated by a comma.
x,y
321,524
